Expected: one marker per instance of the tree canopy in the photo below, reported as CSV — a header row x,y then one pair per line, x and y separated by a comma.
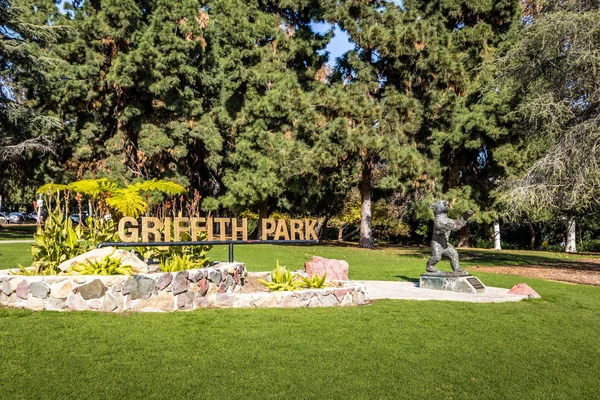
x,y
488,104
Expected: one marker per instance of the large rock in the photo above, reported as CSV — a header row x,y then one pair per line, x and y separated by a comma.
x,y
336,270
181,283
127,258
93,290
214,275
524,289
61,290
39,290
110,303
164,281
139,287
162,301
23,289
185,301
76,303
55,305
6,288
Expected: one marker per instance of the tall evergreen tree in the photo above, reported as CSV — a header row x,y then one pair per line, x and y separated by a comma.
x,y
416,64
271,56
132,96
474,142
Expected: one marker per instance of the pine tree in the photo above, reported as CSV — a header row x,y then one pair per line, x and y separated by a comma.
x,y
270,55
472,140
132,95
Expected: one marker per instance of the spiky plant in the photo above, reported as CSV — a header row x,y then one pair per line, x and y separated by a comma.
x,y
108,265
316,282
282,280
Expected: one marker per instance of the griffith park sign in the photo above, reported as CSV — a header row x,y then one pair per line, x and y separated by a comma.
x,y
223,229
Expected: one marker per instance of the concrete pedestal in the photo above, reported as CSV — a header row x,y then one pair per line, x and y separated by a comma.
x,y
451,281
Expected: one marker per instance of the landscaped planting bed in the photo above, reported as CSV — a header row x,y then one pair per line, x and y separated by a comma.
x,y
220,285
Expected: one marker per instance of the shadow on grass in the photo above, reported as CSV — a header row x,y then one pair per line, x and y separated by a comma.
x,y
16,232
407,278
548,260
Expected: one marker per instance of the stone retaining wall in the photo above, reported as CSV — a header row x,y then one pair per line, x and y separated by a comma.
x,y
216,286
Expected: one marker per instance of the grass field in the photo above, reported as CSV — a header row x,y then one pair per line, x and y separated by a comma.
x,y
17,232
536,349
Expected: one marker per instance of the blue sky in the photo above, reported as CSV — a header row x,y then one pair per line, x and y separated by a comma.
x,y
338,45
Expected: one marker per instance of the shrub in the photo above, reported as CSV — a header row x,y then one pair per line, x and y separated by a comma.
x,y
590,245
316,282
282,280
184,257
180,262
106,266
56,241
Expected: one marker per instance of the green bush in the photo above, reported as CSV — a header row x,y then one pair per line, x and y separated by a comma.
x,y
590,245
282,280
180,262
481,243
316,282
107,266
172,258
56,241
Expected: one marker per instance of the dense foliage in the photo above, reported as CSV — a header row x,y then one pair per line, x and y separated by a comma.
x,y
235,100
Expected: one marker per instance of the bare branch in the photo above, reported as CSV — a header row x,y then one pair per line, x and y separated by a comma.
x,y
39,146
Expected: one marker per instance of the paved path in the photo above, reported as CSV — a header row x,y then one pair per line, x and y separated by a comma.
x,y
16,241
411,291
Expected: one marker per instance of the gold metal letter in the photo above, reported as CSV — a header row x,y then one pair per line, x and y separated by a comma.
x,y
134,236
296,227
281,231
267,231
178,229
310,233
167,229
196,227
235,229
222,230
154,230
209,229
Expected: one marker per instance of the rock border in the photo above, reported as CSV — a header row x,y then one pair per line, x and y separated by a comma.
x,y
217,286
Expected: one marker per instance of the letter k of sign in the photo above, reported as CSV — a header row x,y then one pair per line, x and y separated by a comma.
x,y
310,225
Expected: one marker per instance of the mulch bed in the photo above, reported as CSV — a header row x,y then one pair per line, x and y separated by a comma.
x,y
252,285
583,272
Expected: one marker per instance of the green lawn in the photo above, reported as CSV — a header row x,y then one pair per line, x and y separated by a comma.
x,y
537,349
17,232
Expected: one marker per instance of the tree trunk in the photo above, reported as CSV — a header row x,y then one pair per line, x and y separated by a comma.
x,y
321,226
263,212
531,236
497,244
463,237
340,233
348,236
571,245
366,188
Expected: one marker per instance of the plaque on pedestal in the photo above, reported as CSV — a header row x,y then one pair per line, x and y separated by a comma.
x,y
452,281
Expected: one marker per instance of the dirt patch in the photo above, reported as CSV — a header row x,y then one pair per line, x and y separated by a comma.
x,y
573,274
252,285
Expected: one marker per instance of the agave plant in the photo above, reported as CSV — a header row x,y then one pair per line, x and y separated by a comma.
x,y
282,280
316,282
106,266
